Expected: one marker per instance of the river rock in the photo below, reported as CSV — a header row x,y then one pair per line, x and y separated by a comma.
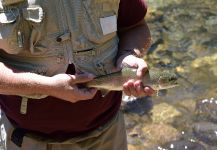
x,y
164,113
160,133
206,109
139,106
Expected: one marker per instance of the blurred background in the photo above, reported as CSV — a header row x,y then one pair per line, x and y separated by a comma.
x,y
184,39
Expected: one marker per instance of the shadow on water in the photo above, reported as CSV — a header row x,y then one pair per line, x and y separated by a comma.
x,y
184,34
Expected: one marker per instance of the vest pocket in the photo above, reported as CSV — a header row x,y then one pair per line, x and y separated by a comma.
x,y
100,23
105,63
9,31
34,15
20,29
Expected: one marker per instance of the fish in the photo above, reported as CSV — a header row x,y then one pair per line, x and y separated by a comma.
x,y
154,78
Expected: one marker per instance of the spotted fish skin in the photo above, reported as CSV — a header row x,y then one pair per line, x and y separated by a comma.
x,y
156,79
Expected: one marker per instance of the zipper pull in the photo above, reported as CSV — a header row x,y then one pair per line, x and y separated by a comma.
x,y
20,39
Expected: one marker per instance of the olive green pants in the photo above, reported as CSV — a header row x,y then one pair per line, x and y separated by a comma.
x,y
111,136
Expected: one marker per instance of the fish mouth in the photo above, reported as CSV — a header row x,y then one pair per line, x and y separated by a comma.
x,y
168,86
175,83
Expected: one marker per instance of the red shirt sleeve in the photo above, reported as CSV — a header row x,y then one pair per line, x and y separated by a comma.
x,y
131,11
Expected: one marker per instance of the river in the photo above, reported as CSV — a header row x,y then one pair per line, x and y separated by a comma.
x,y
184,39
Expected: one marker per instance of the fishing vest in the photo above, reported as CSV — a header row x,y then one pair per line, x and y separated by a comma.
x,y
44,36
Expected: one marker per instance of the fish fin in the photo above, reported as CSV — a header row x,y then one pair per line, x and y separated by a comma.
x,y
104,92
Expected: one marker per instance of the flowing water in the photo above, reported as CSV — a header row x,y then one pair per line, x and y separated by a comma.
x,y
184,34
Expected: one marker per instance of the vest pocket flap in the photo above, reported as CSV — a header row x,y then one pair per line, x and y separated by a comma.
x,y
10,2
33,13
8,16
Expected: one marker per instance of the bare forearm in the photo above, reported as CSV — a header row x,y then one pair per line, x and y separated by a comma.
x,y
12,83
62,86
136,38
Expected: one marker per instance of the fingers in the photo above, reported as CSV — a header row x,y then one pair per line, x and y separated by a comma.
x,y
149,91
82,78
87,93
81,94
135,88
142,68
129,89
84,93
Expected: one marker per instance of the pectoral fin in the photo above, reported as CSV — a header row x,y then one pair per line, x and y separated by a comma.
x,y
104,92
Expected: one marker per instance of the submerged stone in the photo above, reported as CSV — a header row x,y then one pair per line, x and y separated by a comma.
x,y
206,109
164,113
160,133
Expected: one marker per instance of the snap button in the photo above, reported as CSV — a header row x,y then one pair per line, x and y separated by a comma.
x,y
59,39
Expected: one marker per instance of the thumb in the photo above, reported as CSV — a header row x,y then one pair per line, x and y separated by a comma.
x,y
82,78
142,68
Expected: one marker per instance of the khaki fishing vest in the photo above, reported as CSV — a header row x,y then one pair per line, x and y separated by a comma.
x,y
44,36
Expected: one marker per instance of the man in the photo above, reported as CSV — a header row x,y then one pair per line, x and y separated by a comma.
x,y
43,43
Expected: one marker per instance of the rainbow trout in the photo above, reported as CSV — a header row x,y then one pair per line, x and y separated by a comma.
x,y
156,79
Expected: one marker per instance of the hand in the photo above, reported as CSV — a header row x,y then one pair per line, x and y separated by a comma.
x,y
135,87
64,87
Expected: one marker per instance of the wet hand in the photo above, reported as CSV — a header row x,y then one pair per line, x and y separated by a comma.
x,y
135,87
